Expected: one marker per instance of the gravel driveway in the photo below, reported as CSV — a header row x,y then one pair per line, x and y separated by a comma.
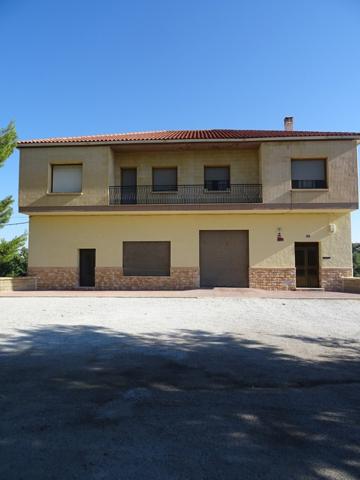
x,y
117,389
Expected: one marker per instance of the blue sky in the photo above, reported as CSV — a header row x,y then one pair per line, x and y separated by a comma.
x,y
84,67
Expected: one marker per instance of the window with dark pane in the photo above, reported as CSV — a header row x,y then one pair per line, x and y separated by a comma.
x,y
217,178
164,179
307,174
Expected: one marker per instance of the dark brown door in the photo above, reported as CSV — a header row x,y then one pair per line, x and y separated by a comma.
x,y
307,265
128,185
87,267
224,258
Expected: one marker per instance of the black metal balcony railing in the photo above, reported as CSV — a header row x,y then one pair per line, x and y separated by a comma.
x,y
184,194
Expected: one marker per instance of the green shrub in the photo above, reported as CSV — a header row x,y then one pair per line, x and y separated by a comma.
x,y
356,259
13,257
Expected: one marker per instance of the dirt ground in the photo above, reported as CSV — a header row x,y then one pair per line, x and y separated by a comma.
x,y
179,388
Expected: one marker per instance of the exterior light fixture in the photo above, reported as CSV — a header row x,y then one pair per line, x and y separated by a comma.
x,y
332,228
279,237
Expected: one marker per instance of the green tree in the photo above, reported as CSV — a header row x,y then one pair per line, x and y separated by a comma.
x,y
356,259
7,144
13,255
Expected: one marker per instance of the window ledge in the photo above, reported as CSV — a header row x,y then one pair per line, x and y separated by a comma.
x,y
227,190
65,193
164,191
309,189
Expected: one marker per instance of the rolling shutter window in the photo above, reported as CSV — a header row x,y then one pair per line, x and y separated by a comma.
x,y
146,258
164,179
308,173
66,178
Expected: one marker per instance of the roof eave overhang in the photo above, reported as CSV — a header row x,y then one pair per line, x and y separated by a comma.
x,y
213,140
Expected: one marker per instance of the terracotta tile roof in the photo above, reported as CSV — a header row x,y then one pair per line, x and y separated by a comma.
x,y
186,135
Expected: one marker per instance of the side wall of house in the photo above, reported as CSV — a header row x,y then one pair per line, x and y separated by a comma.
x,y
35,176
55,242
341,171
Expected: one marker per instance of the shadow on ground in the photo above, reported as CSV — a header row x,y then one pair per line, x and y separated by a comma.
x,y
90,403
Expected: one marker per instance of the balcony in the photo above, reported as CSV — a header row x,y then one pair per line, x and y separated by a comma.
x,y
185,194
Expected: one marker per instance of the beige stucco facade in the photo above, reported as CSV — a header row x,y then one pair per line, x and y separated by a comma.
x,y
243,163
35,176
56,240
341,166
268,163
63,224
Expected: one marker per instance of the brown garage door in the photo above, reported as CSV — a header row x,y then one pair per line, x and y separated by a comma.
x,y
224,258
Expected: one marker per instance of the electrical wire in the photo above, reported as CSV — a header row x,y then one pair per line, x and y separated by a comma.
x,y
11,224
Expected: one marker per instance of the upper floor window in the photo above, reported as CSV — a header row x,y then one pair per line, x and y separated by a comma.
x,y
66,179
308,173
164,179
217,178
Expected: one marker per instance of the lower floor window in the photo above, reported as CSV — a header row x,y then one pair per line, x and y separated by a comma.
x,y
146,258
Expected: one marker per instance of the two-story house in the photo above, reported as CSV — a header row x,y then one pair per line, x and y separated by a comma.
x,y
189,209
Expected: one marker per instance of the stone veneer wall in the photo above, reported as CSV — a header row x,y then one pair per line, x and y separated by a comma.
x,y
111,278
55,278
351,284
181,278
272,278
332,278
14,284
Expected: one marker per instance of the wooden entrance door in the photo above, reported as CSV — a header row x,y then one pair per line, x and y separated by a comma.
x,y
307,264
